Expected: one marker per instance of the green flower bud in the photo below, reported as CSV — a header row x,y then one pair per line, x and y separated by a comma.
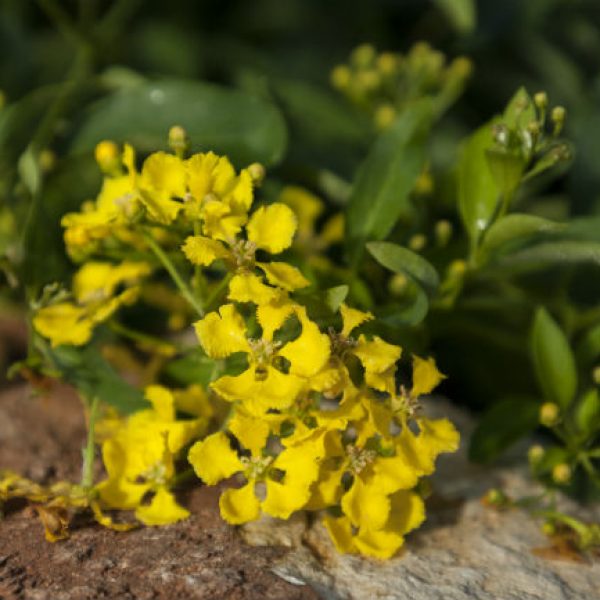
x,y
541,100
257,173
549,414
108,157
443,232
363,56
417,242
535,454
178,140
385,116
340,77
561,474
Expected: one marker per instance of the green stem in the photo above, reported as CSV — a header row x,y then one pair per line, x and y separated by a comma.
x,y
87,478
175,276
139,336
219,289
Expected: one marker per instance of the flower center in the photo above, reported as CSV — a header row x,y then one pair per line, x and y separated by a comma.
x,y
243,252
255,466
359,458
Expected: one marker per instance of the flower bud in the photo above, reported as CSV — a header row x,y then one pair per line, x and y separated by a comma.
x,y
340,77
558,118
461,67
178,140
548,528
387,63
2,99
549,413
108,157
385,116
363,56
367,81
561,473
535,454
417,242
596,375
47,160
257,173
541,100
457,268
397,284
443,232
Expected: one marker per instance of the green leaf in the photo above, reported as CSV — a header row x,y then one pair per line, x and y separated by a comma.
x,y
462,13
335,296
549,254
381,190
507,169
411,311
588,348
502,425
516,227
89,372
520,111
194,367
230,122
553,360
478,192
400,260
587,413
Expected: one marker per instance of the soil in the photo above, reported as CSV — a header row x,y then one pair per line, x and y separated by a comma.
x,y
201,558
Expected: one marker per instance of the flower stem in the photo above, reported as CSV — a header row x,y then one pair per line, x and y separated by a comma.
x,y
87,477
218,291
175,276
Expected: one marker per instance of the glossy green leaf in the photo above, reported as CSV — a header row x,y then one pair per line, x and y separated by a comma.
x,y
335,296
553,360
587,413
462,13
548,254
478,192
89,372
516,227
520,111
230,122
401,260
381,190
501,426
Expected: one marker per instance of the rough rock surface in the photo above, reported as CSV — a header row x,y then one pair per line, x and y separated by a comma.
x,y
464,551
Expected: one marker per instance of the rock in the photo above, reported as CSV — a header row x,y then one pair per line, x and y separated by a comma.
x,y
464,551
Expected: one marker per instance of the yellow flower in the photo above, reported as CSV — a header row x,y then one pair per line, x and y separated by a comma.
x,y
263,385
93,286
407,512
287,478
139,457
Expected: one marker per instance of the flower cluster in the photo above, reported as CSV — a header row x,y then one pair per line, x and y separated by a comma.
x,y
316,422
383,83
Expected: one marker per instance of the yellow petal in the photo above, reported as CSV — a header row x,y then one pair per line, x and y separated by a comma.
x,y
436,437
282,275
305,205
378,544
207,171
162,402
301,467
272,315
159,206
241,194
247,287
407,512
239,505
213,459
122,494
64,323
310,351
376,355
327,491
166,173
352,318
394,473
252,432
194,401
259,393
219,222
340,531
333,229
222,334
203,251
366,505
272,227
162,510
425,376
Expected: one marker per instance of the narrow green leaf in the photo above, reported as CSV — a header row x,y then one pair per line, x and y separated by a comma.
x,y
400,260
501,426
381,190
553,360
244,127
462,13
507,169
516,227
520,111
548,254
478,192
335,296
587,414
